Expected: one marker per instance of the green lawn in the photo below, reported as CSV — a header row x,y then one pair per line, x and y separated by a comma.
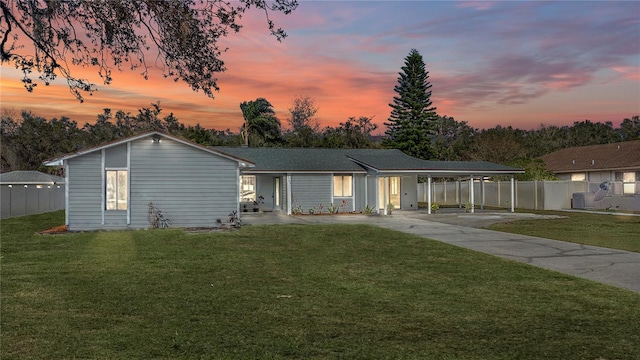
x,y
293,292
612,231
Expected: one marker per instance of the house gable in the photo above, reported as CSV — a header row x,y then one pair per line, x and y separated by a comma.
x,y
153,136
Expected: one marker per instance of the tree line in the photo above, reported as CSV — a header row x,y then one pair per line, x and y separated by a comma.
x,y
27,140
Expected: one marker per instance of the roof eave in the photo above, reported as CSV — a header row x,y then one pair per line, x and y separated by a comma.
x,y
290,171
60,161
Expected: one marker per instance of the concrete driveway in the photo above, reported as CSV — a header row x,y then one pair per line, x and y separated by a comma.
x,y
609,266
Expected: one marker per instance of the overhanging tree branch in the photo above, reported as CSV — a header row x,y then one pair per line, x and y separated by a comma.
x,y
108,34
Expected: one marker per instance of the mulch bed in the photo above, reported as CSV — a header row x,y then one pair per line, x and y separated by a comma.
x,y
61,229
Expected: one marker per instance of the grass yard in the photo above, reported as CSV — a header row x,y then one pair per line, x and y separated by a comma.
x,y
611,231
293,291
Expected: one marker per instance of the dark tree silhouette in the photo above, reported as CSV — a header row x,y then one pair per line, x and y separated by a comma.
x,y
180,37
411,125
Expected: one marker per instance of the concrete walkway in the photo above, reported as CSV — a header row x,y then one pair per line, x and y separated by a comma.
x,y
609,266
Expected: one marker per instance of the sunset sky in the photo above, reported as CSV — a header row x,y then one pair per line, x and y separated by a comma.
x,y
518,63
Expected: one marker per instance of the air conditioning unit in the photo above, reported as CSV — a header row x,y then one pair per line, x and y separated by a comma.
x,y
583,200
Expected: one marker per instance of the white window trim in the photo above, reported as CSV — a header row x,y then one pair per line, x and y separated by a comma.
x,y
255,188
631,184
104,192
333,190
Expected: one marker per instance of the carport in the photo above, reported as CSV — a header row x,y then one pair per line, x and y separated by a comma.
x,y
385,167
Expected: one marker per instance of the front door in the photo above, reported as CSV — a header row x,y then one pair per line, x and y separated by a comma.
x,y
389,192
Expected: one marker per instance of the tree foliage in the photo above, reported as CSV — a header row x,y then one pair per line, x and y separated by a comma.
x,y
630,129
180,37
411,124
451,138
304,126
500,145
352,134
260,123
28,140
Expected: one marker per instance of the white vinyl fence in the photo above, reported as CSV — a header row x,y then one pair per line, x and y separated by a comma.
x,y
19,200
534,195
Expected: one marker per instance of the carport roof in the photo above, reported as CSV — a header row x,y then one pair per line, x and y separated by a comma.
x,y
358,160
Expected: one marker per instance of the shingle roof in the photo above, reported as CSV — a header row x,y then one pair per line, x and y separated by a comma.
x,y
294,159
355,160
150,134
615,156
29,177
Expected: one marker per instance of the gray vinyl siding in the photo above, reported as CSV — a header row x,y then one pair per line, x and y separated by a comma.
x,y
372,192
409,192
84,184
264,187
192,187
116,157
310,190
359,192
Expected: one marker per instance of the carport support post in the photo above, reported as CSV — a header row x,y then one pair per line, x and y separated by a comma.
x,y
429,194
385,198
289,210
471,195
459,192
512,195
481,192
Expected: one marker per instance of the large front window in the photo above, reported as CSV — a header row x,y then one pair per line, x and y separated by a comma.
x,y
342,185
247,188
117,194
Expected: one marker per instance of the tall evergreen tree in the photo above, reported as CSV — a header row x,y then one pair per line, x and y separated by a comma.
x,y
412,123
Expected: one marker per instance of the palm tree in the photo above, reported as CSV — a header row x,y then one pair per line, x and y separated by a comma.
x,y
260,120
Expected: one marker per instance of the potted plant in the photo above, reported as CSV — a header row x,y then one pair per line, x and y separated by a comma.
x,y
468,207
256,204
435,207
390,208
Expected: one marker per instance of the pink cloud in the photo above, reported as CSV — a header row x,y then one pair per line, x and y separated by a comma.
x,y
628,72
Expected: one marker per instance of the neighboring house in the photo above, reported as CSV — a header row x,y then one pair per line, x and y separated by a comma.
x,y
30,192
111,186
615,167
294,180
